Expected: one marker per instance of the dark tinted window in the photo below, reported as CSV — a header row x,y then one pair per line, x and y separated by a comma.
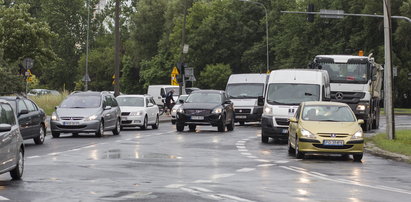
x,y
245,90
30,105
204,97
7,115
21,105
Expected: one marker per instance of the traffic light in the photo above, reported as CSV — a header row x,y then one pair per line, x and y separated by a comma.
x,y
310,8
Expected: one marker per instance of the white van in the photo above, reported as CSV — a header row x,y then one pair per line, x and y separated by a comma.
x,y
244,91
159,92
286,89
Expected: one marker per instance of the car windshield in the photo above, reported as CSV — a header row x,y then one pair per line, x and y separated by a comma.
x,y
176,90
245,90
86,101
330,113
204,98
288,93
183,97
346,73
130,101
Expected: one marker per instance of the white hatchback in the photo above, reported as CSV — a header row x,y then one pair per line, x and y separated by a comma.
x,y
138,110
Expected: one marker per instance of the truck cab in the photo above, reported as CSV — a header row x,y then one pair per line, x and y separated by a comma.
x,y
244,91
286,89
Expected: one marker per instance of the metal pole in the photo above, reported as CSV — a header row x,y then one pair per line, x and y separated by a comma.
x,y
183,37
87,45
117,49
388,69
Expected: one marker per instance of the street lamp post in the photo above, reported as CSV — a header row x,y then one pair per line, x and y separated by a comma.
x,y
266,28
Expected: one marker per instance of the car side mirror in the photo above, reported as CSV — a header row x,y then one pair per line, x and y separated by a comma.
x,y
150,104
56,107
293,120
5,127
181,101
107,107
260,101
23,111
360,121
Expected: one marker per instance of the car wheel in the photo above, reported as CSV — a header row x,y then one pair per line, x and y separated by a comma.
x,y
42,136
192,127
357,157
144,126
264,139
290,148
298,153
366,125
75,134
116,130
241,123
55,134
155,126
230,127
17,172
221,125
100,130
180,127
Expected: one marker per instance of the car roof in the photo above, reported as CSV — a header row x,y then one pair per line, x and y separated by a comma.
x,y
11,97
324,103
208,91
4,101
135,95
82,93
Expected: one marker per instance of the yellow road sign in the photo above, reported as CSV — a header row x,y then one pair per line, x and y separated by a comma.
x,y
174,79
175,71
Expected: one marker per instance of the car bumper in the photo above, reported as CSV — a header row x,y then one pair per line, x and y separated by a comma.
x,y
253,115
269,129
211,119
132,121
75,126
316,146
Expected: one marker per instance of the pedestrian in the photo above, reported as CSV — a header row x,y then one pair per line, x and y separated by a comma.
x,y
169,98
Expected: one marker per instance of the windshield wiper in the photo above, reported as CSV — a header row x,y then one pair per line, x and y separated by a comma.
x,y
308,94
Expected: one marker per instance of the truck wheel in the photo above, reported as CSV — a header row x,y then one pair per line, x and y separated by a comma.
x,y
366,126
376,121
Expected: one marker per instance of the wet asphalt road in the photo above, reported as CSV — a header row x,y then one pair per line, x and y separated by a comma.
x,y
164,165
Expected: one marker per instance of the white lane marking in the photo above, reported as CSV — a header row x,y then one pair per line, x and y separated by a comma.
x,y
222,175
266,165
243,150
174,186
281,162
32,157
189,190
54,153
203,181
90,146
252,157
243,170
4,198
262,160
74,149
246,153
241,142
235,198
344,181
241,147
215,197
298,168
316,173
201,189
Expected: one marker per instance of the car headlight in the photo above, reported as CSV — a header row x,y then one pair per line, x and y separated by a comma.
x,y
217,110
174,111
139,113
307,134
54,117
92,117
361,107
268,110
180,110
357,135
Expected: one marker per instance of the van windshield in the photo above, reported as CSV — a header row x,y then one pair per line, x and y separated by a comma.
x,y
245,90
292,94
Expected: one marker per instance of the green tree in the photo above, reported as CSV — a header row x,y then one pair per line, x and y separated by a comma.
x,y
215,76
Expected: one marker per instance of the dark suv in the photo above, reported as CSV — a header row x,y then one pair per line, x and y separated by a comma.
x,y
86,112
11,142
206,107
31,118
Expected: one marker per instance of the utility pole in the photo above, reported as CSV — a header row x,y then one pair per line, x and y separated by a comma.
x,y
117,49
183,38
86,77
388,86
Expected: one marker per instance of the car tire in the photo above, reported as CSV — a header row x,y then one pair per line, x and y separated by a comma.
x,y
230,127
241,123
180,127
264,139
192,127
357,157
157,124
75,134
100,130
366,126
221,125
144,126
17,172
117,129
42,136
298,153
290,148
55,134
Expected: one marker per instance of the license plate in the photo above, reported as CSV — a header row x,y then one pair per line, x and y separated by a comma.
x,y
285,130
333,142
197,118
71,123
240,117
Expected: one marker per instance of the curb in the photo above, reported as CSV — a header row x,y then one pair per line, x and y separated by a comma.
x,y
373,149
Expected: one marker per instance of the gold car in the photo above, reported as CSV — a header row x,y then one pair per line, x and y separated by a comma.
x,y
325,127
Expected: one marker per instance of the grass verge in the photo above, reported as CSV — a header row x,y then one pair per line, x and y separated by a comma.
x,y
401,144
49,102
398,111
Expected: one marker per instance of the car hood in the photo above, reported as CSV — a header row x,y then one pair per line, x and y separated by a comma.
x,y
331,127
176,106
244,102
77,112
200,105
131,109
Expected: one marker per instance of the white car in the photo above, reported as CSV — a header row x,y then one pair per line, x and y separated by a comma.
x,y
138,110
176,106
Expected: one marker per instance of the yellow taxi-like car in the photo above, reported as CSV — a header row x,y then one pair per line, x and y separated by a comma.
x,y
325,127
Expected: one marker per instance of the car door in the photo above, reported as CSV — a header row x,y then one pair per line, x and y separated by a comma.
x,y
8,139
24,119
293,126
149,110
35,117
228,107
109,113
155,108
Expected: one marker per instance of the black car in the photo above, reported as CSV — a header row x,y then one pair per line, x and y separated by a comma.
x,y
206,107
31,118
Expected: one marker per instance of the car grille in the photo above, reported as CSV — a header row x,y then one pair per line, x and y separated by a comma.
x,y
72,127
282,121
202,112
71,118
126,122
242,111
347,97
125,113
332,146
333,135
